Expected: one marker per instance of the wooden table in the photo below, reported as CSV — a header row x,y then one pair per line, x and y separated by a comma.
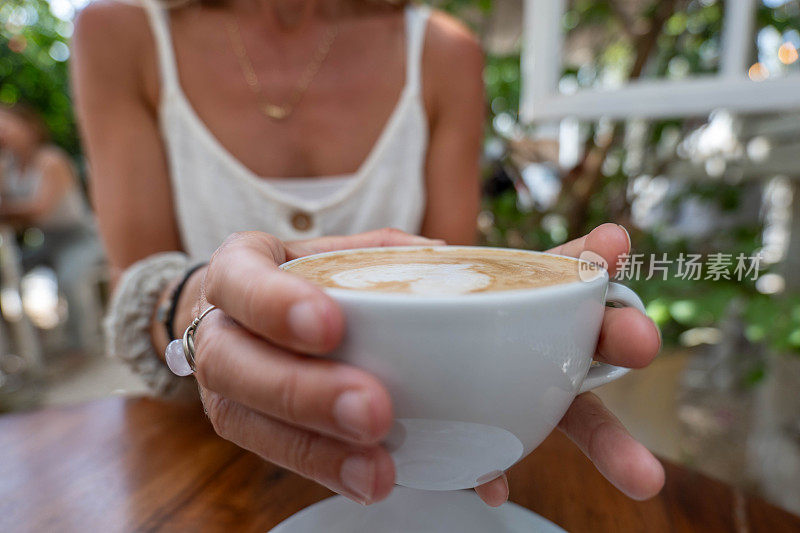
x,y
146,465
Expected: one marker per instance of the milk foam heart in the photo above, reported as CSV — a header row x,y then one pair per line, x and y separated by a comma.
x,y
421,278
439,271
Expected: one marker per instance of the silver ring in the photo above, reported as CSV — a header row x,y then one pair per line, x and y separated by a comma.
x,y
180,353
188,337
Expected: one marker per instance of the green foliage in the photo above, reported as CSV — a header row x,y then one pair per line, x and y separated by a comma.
x,y
688,45
501,76
33,68
678,305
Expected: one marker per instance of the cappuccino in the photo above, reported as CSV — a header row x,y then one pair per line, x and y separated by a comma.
x,y
436,271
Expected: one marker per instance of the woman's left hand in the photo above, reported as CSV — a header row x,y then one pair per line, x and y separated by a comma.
x,y
627,338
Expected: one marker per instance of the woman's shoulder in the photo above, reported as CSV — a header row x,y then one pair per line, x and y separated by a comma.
x,y
54,163
451,48
113,43
111,18
452,57
51,155
449,37
113,29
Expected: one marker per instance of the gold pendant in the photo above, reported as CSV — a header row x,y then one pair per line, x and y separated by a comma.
x,y
277,112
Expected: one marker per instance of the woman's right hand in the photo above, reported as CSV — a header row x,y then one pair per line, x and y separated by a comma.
x,y
264,381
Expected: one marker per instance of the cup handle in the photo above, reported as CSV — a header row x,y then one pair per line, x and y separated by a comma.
x,y
602,373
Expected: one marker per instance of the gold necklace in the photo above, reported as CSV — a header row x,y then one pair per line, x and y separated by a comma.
x,y
280,111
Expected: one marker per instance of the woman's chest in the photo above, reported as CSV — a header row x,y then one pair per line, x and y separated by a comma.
x,y
335,117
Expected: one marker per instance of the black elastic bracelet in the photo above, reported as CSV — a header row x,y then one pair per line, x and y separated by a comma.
x,y
169,321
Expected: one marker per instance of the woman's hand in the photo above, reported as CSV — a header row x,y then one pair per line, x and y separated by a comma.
x,y
317,417
627,338
325,420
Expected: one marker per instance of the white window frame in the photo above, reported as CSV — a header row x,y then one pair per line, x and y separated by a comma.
x,y
695,96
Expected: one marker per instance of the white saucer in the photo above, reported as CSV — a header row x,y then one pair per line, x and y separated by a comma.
x,y
416,511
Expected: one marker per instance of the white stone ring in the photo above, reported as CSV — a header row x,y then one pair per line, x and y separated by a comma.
x,y
180,352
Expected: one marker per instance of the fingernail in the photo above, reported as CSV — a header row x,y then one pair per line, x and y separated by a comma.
x,y
351,412
660,337
358,477
306,323
628,235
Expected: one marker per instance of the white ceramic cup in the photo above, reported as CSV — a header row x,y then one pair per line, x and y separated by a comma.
x,y
477,380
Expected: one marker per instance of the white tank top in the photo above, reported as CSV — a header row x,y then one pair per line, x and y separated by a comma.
x,y
216,195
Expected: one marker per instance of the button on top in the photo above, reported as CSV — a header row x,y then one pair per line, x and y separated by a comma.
x,y
301,221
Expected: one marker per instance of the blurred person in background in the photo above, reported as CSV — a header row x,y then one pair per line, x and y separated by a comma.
x,y
40,189
246,132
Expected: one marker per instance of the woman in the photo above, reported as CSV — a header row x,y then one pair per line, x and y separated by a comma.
x,y
386,133
186,113
40,189
39,185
